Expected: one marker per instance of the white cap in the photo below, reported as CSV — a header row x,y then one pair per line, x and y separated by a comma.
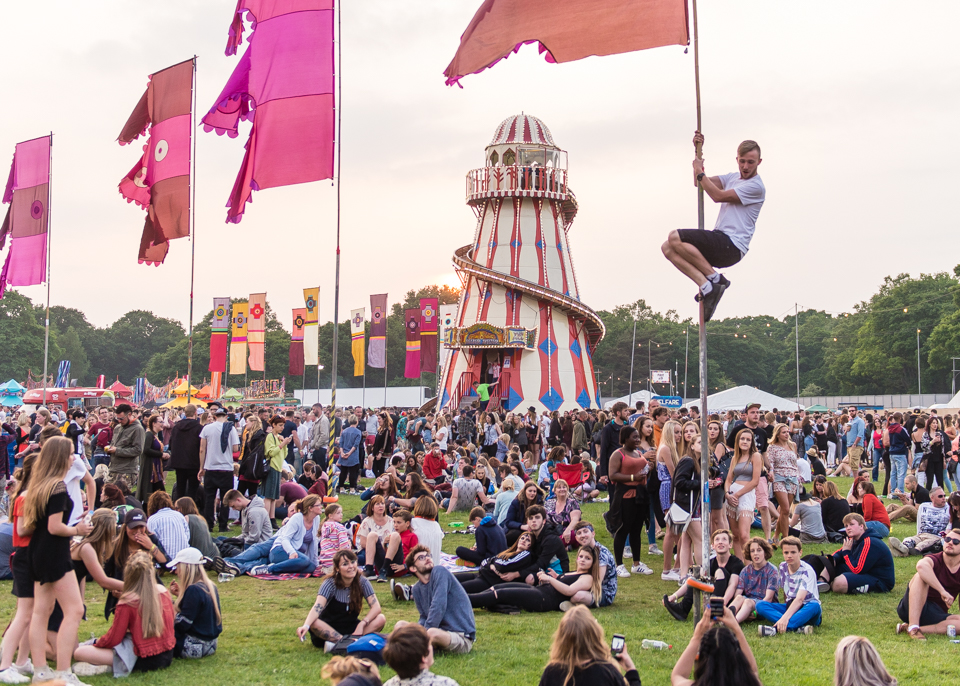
x,y
190,556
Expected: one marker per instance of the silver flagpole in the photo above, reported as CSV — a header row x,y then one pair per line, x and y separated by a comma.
x,y
193,225
46,332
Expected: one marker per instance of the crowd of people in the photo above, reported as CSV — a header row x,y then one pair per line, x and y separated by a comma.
x,y
88,495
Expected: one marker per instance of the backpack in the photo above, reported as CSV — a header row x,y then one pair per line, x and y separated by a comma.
x,y
254,464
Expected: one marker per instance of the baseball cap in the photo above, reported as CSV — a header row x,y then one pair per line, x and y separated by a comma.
x,y
749,405
190,556
135,517
220,412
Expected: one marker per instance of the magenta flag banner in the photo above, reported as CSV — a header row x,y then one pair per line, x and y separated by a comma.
x,y
284,85
28,194
160,181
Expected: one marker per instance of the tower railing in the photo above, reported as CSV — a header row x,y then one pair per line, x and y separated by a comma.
x,y
516,181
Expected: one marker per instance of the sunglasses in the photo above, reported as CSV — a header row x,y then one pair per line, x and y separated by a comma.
x,y
955,541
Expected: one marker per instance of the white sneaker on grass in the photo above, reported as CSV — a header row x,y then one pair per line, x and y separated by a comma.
x,y
566,606
641,568
26,668
628,551
622,572
42,674
654,550
671,575
88,669
12,676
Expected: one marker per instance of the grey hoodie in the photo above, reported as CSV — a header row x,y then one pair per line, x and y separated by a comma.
x,y
255,523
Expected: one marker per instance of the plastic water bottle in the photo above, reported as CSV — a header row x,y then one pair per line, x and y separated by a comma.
x,y
649,644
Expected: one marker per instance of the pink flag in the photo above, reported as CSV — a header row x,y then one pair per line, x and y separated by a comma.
x,y
27,192
566,30
160,181
284,84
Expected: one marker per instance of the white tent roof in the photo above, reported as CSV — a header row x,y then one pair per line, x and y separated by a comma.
x,y
953,402
631,400
738,398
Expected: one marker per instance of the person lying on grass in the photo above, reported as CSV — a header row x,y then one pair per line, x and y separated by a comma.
x,y
553,594
499,568
925,606
337,611
587,536
759,580
724,572
718,653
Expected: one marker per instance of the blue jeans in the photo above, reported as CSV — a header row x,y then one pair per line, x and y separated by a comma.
x,y
898,471
280,562
879,528
877,458
258,554
810,614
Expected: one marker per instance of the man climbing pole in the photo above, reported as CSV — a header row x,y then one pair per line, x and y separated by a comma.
x,y
698,254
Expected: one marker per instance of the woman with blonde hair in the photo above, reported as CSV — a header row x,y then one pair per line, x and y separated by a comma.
x,y
668,456
198,621
580,655
46,511
351,671
782,453
741,488
93,550
857,663
141,637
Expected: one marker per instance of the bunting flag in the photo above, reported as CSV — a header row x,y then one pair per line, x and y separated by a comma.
x,y
238,338
160,181
357,332
377,350
216,384
448,320
311,343
296,341
219,330
284,84
63,375
429,319
566,30
411,369
256,330
28,194
140,391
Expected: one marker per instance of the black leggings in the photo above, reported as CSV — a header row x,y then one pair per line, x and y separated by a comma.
x,y
529,598
351,473
634,512
472,582
886,472
934,471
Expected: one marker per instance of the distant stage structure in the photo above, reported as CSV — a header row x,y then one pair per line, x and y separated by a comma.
x,y
520,312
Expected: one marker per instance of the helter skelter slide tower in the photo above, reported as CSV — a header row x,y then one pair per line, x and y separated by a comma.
x,y
520,308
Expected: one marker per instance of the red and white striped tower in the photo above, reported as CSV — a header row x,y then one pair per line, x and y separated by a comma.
x,y
520,305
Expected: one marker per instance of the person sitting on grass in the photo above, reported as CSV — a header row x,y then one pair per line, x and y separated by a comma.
x,y
508,492
490,539
388,560
333,536
198,621
915,496
857,663
255,525
443,605
863,564
426,527
553,594
409,652
467,490
724,572
294,550
197,526
801,609
932,519
500,568
718,653
808,514
874,514
580,655
515,522
587,536
759,580
925,606
337,611
549,552
373,531
563,510
145,614
414,487
347,670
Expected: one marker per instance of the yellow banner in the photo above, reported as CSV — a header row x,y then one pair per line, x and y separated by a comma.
x,y
238,338
357,331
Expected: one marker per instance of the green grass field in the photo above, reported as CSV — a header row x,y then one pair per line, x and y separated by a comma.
x,y
259,643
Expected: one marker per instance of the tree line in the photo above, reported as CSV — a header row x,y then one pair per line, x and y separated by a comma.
x,y
871,349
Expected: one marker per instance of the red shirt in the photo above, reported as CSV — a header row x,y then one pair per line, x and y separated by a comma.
x,y
18,541
408,540
433,465
874,511
127,619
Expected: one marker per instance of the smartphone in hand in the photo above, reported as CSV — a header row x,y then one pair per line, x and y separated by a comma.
x,y
617,644
716,609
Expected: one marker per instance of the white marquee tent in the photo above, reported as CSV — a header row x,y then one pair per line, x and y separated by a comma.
x,y
631,400
738,398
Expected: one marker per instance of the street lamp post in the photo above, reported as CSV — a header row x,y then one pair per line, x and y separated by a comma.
x,y
633,348
919,389
686,358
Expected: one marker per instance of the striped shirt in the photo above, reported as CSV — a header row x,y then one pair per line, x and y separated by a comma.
x,y
171,528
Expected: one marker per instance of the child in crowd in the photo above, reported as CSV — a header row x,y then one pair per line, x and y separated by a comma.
x,y
800,610
198,621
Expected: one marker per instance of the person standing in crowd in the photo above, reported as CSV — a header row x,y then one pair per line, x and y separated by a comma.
x,y
742,482
152,460
896,439
630,504
275,448
125,447
935,445
697,253
218,441
185,453
610,440
782,453
350,441
444,606
580,655
856,439
668,456
320,438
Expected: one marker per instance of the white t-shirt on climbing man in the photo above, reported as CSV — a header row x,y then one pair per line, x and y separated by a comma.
x,y
740,221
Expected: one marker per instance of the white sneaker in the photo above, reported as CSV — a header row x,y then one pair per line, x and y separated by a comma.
x,y
641,568
70,678
258,570
622,572
628,551
25,668
328,646
654,550
370,474
42,674
672,575
12,676
566,606
87,669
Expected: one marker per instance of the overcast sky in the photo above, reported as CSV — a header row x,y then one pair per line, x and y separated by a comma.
x,y
853,103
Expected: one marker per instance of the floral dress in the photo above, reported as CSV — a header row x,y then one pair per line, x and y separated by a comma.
x,y
784,462
666,486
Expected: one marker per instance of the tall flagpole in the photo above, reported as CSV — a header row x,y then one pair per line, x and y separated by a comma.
x,y
46,333
336,289
704,412
386,331
193,214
